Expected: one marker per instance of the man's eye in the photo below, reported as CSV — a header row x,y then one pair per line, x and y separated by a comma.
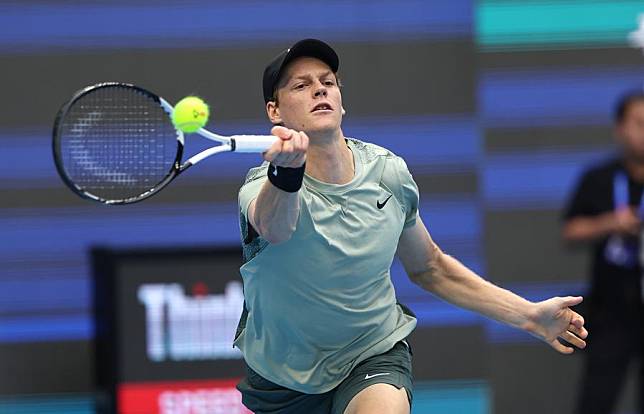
x,y
299,86
329,83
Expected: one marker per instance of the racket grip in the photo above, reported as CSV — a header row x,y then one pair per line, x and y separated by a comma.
x,y
252,143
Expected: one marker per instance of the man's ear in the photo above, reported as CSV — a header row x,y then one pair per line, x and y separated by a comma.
x,y
273,112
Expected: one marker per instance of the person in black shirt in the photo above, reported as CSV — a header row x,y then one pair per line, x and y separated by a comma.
x,y
606,210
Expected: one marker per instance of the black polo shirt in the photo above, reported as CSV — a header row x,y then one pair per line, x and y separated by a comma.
x,y
615,295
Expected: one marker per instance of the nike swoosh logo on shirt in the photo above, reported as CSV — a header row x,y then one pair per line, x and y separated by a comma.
x,y
381,205
375,375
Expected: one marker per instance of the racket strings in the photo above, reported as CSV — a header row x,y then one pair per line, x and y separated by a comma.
x,y
117,143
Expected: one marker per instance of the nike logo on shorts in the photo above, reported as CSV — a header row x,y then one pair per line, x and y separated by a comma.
x,y
375,375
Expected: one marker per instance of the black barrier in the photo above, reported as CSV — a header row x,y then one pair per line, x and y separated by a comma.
x,y
165,321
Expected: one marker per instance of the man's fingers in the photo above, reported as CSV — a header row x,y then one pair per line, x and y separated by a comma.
x,y
287,146
577,320
289,150
282,133
302,143
572,300
296,142
573,339
273,151
579,331
561,348
281,149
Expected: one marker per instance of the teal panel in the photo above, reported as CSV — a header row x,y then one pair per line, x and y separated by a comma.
x,y
554,24
452,397
48,404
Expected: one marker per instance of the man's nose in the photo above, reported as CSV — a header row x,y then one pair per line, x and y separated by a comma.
x,y
321,91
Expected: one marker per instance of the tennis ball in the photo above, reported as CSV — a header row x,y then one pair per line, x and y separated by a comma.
x,y
190,114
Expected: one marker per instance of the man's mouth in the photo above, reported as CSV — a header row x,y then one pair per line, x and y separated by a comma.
x,y
322,107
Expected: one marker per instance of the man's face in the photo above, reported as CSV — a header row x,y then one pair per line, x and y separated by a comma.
x,y
630,131
308,98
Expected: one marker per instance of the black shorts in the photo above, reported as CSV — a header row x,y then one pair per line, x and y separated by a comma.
x,y
262,396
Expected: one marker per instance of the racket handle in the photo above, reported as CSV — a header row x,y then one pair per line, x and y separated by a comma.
x,y
252,143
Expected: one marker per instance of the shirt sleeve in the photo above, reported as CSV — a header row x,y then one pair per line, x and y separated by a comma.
x,y
582,202
247,193
409,193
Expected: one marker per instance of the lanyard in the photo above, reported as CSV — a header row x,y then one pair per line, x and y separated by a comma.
x,y
620,190
618,250
620,193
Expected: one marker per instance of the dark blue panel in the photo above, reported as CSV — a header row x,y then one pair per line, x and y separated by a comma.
x,y
65,234
223,23
431,312
582,95
452,217
535,180
52,291
431,143
32,291
46,328
428,144
35,233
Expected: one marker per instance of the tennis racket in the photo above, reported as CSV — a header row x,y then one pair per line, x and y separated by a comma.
x,y
115,143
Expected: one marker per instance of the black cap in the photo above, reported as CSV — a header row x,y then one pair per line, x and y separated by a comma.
x,y
307,47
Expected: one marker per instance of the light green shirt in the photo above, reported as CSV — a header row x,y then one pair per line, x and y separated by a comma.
x,y
323,301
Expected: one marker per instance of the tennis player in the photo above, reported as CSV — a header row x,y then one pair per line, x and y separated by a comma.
x,y
321,221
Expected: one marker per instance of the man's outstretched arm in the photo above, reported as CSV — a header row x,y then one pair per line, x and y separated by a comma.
x,y
447,278
274,213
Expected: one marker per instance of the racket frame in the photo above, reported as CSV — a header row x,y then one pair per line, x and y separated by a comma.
x,y
239,143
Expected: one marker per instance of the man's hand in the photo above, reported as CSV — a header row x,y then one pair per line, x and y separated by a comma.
x,y
553,319
623,221
626,221
289,150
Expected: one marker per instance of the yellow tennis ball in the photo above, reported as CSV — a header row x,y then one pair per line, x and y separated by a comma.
x,y
190,114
